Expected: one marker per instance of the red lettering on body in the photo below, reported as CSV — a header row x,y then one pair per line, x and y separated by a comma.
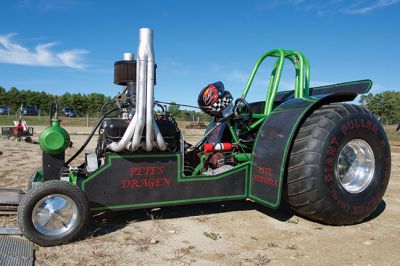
x,y
151,182
135,183
146,171
264,170
265,180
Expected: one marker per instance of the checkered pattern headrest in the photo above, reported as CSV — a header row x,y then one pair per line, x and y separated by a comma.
x,y
214,99
221,103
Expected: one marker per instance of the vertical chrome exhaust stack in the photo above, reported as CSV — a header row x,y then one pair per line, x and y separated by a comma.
x,y
144,115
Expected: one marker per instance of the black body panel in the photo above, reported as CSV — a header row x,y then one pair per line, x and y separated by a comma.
x,y
353,87
271,149
269,153
345,91
52,164
155,179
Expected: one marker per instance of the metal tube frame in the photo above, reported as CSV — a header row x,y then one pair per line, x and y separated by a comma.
x,y
302,80
301,88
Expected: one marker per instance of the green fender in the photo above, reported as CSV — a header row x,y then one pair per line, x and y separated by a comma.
x,y
276,134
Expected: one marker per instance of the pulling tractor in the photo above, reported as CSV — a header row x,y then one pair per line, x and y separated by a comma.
x,y
330,161
19,131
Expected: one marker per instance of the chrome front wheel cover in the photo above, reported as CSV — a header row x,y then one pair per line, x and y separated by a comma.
x,y
355,166
55,215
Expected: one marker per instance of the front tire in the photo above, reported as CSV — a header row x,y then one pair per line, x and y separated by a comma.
x,y
32,179
53,213
339,165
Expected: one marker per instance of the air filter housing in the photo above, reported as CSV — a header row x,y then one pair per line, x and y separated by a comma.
x,y
125,70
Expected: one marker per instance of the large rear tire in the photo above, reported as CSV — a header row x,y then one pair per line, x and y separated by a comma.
x,y
53,213
339,165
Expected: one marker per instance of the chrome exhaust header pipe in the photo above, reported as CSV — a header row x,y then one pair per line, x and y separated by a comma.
x,y
149,53
144,116
125,140
141,87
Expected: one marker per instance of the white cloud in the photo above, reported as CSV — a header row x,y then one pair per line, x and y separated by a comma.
x,y
14,53
367,6
266,5
238,76
174,67
320,83
49,5
329,7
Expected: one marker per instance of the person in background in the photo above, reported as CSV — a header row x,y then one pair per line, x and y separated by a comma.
x,y
20,130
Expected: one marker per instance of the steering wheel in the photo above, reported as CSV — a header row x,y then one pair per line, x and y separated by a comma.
x,y
242,112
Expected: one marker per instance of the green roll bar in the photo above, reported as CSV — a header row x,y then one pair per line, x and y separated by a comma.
x,y
302,80
301,90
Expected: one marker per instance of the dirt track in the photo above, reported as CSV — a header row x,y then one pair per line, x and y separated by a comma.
x,y
229,233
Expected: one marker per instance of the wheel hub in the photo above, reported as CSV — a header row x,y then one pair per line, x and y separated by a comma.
x,y
55,215
355,166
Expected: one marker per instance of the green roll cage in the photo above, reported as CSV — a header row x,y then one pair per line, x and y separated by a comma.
x,y
301,90
301,86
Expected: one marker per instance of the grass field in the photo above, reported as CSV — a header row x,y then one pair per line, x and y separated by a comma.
x,y
91,121
44,121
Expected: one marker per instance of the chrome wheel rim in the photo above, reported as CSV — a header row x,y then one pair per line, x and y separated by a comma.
x,y
55,215
355,166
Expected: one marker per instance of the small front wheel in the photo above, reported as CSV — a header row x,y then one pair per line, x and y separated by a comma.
x,y
53,213
32,178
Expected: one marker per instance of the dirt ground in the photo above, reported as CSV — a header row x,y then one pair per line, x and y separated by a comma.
x,y
228,233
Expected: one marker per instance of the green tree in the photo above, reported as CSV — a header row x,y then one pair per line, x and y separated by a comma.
x,y
13,99
3,95
173,109
82,103
384,105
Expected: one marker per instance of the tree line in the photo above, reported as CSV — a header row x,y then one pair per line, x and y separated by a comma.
x,y
385,106
187,115
81,103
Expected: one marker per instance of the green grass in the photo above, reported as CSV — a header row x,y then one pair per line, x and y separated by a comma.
x,y
65,121
44,121
81,122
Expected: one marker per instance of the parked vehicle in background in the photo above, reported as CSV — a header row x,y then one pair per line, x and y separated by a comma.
x,y
29,110
4,110
69,112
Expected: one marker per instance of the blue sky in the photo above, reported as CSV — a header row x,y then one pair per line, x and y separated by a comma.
x,y
70,46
